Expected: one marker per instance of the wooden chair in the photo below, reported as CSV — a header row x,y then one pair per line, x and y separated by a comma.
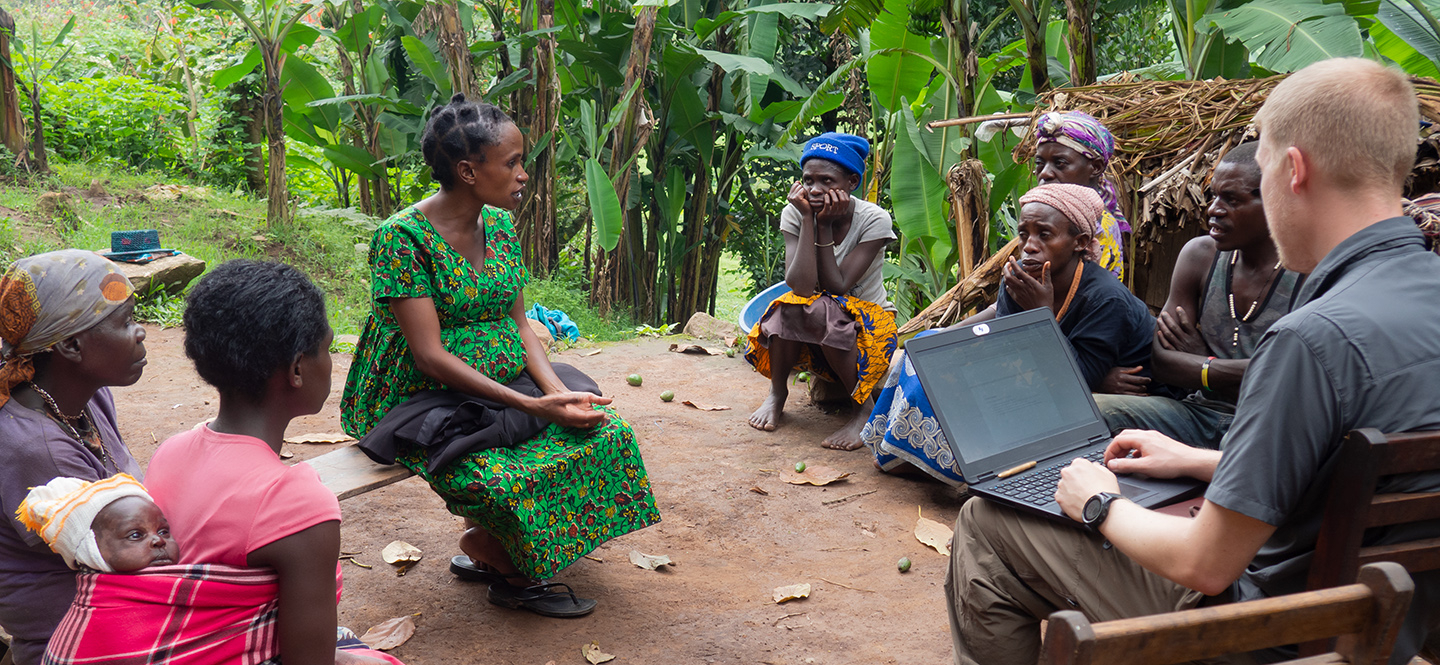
x,y
1366,616
1367,456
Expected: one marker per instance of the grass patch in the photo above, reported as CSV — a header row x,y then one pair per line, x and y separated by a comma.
x,y
214,226
217,226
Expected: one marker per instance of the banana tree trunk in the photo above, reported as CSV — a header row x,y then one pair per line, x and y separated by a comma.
x,y
456,50
12,123
1080,15
38,159
277,212
612,282
538,239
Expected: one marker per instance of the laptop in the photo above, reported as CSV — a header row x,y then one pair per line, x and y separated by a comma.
x,y
1016,410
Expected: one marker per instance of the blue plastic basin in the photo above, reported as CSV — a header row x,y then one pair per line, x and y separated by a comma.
x,y
753,310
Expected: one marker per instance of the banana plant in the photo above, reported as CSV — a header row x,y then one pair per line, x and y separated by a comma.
x,y
270,24
33,56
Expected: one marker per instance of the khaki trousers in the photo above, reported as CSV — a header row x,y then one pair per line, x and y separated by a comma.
x,y
1010,570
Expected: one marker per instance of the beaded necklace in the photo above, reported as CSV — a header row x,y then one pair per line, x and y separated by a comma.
x,y
80,426
1230,293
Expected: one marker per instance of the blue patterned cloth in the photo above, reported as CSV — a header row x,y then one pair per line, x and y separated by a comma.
x,y
903,428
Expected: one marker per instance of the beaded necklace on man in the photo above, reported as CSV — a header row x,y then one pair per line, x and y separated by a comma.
x,y
1254,306
81,427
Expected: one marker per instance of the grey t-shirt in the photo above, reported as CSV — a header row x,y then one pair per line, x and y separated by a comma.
x,y
36,586
1361,349
868,222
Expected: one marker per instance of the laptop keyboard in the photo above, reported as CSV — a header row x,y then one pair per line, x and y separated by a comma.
x,y
1037,486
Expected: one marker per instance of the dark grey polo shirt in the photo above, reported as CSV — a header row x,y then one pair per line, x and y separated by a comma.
x,y
1361,349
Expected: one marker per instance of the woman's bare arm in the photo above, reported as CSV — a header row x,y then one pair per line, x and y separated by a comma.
x,y
305,562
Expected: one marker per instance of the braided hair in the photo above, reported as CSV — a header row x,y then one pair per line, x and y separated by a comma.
x,y
459,130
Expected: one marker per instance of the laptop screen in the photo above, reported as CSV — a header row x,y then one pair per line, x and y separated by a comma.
x,y
1004,390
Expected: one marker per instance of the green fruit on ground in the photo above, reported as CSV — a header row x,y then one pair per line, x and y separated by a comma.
x,y
729,353
667,395
903,564
634,379
803,377
799,467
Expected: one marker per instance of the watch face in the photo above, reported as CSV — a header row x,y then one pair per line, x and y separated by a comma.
x,y
1092,509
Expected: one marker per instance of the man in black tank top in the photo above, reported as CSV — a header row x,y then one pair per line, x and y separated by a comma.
x,y
1233,280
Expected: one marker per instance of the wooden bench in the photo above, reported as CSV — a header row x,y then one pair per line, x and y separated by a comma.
x,y
1366,617
348,472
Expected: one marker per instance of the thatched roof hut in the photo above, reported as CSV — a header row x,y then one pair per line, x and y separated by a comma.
x,y
1169,135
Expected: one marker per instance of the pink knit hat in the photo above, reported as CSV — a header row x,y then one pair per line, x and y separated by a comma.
x,y
1078,203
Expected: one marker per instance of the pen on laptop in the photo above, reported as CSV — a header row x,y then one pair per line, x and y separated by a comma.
x,y
1014,470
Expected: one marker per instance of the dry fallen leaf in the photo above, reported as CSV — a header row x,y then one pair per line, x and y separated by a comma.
x,y
791,592
387,635
934,534
696,348
285,454
759,490
730,340
649,561
707,407
400,552
593,654
813,475
333,437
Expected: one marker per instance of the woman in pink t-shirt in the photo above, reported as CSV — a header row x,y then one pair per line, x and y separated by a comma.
x,y
258,333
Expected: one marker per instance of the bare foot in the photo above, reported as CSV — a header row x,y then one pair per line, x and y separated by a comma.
x,y
848,437
767,417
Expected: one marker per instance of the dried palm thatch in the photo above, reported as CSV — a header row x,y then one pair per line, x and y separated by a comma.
x,y
1169,135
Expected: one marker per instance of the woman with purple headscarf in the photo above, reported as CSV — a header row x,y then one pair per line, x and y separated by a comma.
x,y
1106,326
1073,147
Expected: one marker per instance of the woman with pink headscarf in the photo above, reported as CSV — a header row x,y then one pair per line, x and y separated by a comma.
x,y
1105,325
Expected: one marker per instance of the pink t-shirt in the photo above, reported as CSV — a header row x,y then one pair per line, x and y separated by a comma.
x,y
227,495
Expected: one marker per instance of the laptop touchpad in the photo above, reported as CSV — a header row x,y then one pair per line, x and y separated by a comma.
x,y
1134,492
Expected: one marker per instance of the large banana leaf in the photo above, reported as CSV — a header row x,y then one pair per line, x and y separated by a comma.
x,y
897,74
1402,20
230,75
1286,35
806,10
852,16
764,37
604,205
1397,50
303,83
917,193
424,60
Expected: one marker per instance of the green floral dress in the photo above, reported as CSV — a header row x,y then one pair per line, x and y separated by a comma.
x,y
549,500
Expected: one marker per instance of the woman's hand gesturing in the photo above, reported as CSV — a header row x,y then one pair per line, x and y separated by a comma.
x,y
1027,292
571,409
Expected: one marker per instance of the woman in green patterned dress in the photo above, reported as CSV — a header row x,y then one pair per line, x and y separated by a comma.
x,y
449,314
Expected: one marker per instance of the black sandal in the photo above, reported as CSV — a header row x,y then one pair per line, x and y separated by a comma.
x,y
552,600
466,569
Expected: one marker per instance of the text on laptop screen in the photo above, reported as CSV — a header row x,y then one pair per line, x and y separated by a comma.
x,y
1006,389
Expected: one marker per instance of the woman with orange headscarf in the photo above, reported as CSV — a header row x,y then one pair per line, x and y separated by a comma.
x,y
69,332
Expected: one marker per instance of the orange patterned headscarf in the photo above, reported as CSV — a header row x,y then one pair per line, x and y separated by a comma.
x,y
50,297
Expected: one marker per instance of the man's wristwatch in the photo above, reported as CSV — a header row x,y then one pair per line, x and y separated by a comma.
x,y
1097,508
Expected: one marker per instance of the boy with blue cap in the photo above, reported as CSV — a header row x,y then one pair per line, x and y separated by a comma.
x,y
837,320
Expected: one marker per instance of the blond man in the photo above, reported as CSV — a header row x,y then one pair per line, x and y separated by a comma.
x,y
1361,349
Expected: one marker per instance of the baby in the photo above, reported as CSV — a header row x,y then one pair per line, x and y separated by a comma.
x,y
108,526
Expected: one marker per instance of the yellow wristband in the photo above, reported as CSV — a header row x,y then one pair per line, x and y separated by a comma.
x,y
1205,373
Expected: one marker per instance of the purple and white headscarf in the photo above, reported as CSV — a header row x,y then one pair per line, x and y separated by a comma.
x,y
1082,133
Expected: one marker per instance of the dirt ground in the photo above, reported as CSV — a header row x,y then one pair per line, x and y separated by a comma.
x,y
731,545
